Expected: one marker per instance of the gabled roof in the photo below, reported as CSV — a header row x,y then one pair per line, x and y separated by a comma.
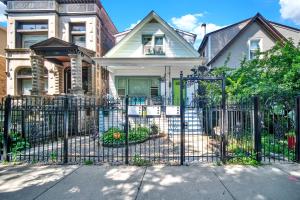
x,y
219,30
55,43
152,15
258,18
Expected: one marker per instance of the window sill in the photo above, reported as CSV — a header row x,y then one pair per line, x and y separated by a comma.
x,y
31,30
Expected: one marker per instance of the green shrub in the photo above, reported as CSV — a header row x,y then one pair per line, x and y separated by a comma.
x,y
135,135
139,161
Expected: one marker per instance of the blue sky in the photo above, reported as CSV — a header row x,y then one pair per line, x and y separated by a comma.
x,y
190,14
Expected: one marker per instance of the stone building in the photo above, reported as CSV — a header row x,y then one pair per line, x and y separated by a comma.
x,y
50,46
2,62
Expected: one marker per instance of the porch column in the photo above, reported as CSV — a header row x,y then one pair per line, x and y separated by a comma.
x,y
76,74
38,83
90,81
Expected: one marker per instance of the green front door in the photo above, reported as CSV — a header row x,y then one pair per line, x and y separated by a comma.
x,y
176,92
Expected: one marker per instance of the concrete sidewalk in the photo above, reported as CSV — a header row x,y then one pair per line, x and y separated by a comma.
x,y
157,182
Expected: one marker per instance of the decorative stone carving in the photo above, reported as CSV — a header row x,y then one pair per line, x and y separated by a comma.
x,y
30,5
76,74
37,64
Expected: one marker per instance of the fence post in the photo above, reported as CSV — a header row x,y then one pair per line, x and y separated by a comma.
x,y
257,129
126,127
297,150
7,122
182,123
66,128
224,124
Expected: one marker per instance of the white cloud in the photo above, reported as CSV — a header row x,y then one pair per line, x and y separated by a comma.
x,y
186,22
290,9
133,25
192,23
2,12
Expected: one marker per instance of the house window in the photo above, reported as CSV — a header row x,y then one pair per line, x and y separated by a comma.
x,y
147,43
30,33
32,26
24,81
28,40
154,90
254,47
153,45
78,34
138,86
159,45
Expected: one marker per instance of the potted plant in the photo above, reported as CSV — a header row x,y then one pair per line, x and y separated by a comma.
x,y
291,137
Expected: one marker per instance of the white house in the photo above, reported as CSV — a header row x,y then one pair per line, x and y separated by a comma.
x,y
147,60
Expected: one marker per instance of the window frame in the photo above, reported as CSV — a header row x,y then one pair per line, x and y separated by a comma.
x,y
75,33
251,50
153,44
20,32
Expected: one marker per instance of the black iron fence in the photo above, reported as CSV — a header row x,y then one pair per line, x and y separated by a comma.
x,y
140,130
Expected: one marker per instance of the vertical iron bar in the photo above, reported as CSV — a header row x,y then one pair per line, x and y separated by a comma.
x,y
7,121
66,128
126,130
224,123
182,123
257,131
297,150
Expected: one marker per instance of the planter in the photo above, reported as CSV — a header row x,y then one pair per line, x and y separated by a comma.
x,y
291,142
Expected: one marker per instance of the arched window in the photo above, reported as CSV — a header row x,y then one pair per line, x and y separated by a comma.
x,y
24,81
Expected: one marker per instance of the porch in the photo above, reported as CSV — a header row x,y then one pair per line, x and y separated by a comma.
x,y
150,77
73,68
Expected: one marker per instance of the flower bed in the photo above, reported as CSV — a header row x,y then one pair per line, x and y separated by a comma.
x,y
115,137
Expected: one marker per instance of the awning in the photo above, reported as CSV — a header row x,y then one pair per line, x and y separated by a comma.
x,y
150,62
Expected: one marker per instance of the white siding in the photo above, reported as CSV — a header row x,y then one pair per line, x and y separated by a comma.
x,y
134,48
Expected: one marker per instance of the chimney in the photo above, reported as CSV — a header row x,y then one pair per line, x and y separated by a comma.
x,y
204,28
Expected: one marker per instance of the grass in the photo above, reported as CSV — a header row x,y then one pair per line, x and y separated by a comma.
x,y
138,161
88,162
276,146
242,151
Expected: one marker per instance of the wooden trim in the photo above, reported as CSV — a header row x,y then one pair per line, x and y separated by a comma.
x,y
150,61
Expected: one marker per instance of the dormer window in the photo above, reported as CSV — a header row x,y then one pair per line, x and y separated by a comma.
x,y
153,45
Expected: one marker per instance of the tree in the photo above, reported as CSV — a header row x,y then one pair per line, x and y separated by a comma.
x,y
274,74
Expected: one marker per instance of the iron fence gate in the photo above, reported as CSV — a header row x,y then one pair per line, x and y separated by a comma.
x,y
143,130
203,120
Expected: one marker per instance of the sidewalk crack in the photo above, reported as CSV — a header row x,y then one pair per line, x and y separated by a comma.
x,y
232,196
140,185
46,190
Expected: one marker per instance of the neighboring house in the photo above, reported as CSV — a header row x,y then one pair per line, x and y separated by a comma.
x,y
147,60
240,41
51,45
2,61
3,40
